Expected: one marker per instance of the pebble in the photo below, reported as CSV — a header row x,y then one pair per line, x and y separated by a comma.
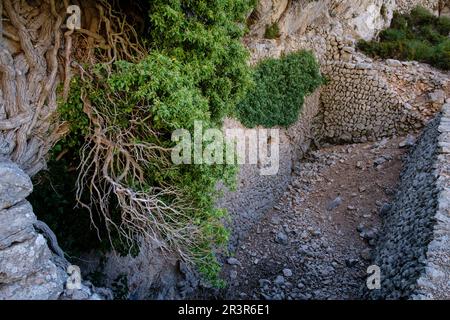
x,y
334,204
287,272
279,280
281,238
233,261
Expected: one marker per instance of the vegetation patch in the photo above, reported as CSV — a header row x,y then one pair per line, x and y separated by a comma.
x,y
280,87
419,36
272,31
122,107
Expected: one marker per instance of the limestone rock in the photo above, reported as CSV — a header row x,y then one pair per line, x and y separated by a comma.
x,y
15,185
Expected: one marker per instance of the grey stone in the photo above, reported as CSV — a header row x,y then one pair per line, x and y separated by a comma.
x,y
394,63
281,238
438,96
16,224
334,204
15,185
233,261
385,208
408,142
287,272
279,280
366,254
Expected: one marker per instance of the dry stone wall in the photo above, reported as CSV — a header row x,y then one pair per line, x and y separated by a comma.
x,y
368,100
434,282
413,247
364,99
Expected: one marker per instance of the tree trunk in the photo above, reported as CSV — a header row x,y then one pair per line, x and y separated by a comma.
x,y
30,48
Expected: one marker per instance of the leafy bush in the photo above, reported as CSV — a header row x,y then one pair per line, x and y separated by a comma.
x,y
195,69
272,31
279,91
417,36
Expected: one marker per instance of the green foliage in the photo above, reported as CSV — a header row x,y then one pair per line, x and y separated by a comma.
x,y
280,88
196,69
71,111
165,93
204,36
272,31
417,36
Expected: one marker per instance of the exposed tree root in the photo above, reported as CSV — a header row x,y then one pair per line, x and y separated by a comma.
x,y
37,54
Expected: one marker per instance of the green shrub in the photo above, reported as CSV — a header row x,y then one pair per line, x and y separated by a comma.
x,y
421,16
195,69
279,91
272,31
417,36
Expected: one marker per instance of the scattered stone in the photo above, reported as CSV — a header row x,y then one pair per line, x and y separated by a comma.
x,y
233,261
380,144
279,280
368,234
275,220
287,272
379,161
351,262
393,63
334,204
366,254
264,282
281,238
438,97
408,142
385,208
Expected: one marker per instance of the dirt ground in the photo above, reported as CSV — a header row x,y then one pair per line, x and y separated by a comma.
x,y
316,243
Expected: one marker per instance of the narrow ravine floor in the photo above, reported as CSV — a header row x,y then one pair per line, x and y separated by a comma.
x,y
316,243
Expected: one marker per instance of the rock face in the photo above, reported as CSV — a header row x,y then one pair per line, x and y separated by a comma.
x,y
361,18
368,100
26,267
413,249
149,275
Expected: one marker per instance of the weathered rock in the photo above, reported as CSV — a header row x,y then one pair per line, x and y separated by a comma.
x,y
233,261
287,272
334,204
394,63
279,280
15,185
16,224
408,142
281,238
